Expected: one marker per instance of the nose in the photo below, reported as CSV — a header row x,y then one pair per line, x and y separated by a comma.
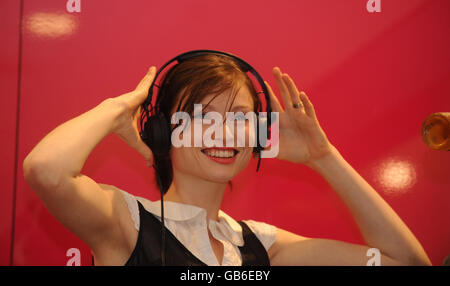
x,y
228,132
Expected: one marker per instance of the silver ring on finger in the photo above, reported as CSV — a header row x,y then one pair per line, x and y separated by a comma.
x,y
297,105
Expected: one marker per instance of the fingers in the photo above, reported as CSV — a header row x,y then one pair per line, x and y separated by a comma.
x,y
141,147
283,88
294,95
139,95
146,82
274,103
293,91
309,108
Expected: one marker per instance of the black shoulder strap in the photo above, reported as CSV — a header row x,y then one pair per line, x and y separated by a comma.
x,y
253,252
148,247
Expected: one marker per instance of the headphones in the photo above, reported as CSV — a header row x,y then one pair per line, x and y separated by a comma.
x,y
155,126
156,132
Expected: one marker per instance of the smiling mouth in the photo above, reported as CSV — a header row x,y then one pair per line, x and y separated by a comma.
x,y
220,152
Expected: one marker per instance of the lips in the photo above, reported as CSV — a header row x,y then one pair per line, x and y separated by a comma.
x,y
221,155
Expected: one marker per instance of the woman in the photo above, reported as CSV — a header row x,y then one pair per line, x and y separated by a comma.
x,y
121,229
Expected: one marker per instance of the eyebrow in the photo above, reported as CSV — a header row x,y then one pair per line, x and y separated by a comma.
x,y
242,107
235,108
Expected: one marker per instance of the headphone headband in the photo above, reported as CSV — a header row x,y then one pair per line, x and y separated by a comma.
x,y
246,67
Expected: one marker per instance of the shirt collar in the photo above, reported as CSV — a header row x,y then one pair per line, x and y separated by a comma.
x,y
226,226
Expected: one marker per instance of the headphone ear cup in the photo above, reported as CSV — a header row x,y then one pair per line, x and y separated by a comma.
x,y
261,139
157,131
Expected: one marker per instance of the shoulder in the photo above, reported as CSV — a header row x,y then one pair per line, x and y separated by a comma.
x,y
266,233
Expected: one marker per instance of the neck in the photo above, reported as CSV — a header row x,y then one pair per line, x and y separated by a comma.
x,y
187,189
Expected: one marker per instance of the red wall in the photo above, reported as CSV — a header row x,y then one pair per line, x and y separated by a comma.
x,y
372,77
9,54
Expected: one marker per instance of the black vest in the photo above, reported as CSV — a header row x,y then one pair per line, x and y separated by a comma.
x,y
148,246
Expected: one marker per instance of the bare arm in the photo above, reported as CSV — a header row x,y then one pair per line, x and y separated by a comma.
x,y
303,141
293,249
53,168
380,226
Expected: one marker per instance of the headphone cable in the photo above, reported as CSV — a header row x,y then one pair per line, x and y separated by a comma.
x,y
163,234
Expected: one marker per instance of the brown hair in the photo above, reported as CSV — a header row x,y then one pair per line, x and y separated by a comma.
x,y
188,83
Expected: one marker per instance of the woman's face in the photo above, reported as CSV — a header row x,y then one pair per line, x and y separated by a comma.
x,y
217,164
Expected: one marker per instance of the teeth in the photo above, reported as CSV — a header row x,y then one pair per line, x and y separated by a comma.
x,y
220,153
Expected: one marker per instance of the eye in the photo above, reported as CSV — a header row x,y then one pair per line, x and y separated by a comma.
x,y
239,117
203,115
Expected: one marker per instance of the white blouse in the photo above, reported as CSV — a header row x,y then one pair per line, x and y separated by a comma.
x,y
188,224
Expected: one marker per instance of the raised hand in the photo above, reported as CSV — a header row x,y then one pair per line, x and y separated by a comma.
x,y
126,124
302,140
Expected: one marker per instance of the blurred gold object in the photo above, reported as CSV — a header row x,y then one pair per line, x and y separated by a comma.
x,y
436,131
